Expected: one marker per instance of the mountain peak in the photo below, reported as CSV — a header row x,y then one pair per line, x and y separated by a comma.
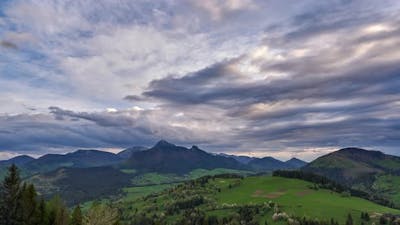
x,y
296,162
194,147
294,159
163,143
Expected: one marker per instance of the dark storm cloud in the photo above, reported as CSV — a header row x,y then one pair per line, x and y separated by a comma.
x,y
379,80
98,118
39,133
180,90
8,44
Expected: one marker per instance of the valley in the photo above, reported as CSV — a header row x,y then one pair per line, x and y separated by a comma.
x,y
166,183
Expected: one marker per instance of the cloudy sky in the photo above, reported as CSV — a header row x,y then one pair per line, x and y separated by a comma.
x,y
256,77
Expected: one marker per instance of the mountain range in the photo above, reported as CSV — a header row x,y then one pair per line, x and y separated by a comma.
x,y
77,172
163,157
75,175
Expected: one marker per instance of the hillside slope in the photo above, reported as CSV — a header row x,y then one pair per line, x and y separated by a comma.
x,y
127,153
254,198
76,185
370,171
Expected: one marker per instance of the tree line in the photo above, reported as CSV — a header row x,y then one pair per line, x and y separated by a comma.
x,y
20,204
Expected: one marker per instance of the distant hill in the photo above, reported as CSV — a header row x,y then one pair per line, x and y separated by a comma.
x,y
76,185
267,164
165,157
371,171
77,159
18,161
125,154
296,163
240,158
351,164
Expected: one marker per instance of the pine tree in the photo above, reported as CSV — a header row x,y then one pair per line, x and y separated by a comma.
x,y
349,220
9,195
366,216
76,217
27,205
42,213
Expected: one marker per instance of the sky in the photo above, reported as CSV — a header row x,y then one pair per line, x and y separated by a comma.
x,y
251,77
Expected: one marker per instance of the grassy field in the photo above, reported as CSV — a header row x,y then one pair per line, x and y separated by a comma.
x,y
202,172
133,193
295,197
148,183
224,195
158,178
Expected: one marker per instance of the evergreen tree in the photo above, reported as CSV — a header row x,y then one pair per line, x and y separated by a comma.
x,y
349,220
366,216
9,195
76,217
42,213
27,205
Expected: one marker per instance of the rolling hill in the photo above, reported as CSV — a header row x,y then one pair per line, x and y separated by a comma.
x,y
18,161
371,171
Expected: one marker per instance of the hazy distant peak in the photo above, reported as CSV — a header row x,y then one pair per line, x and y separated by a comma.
x,y
163,144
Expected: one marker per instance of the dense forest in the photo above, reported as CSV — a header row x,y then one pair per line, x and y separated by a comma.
x,y
20,204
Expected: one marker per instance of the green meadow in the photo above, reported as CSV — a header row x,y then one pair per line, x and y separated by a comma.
x,y
224,196
297,198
